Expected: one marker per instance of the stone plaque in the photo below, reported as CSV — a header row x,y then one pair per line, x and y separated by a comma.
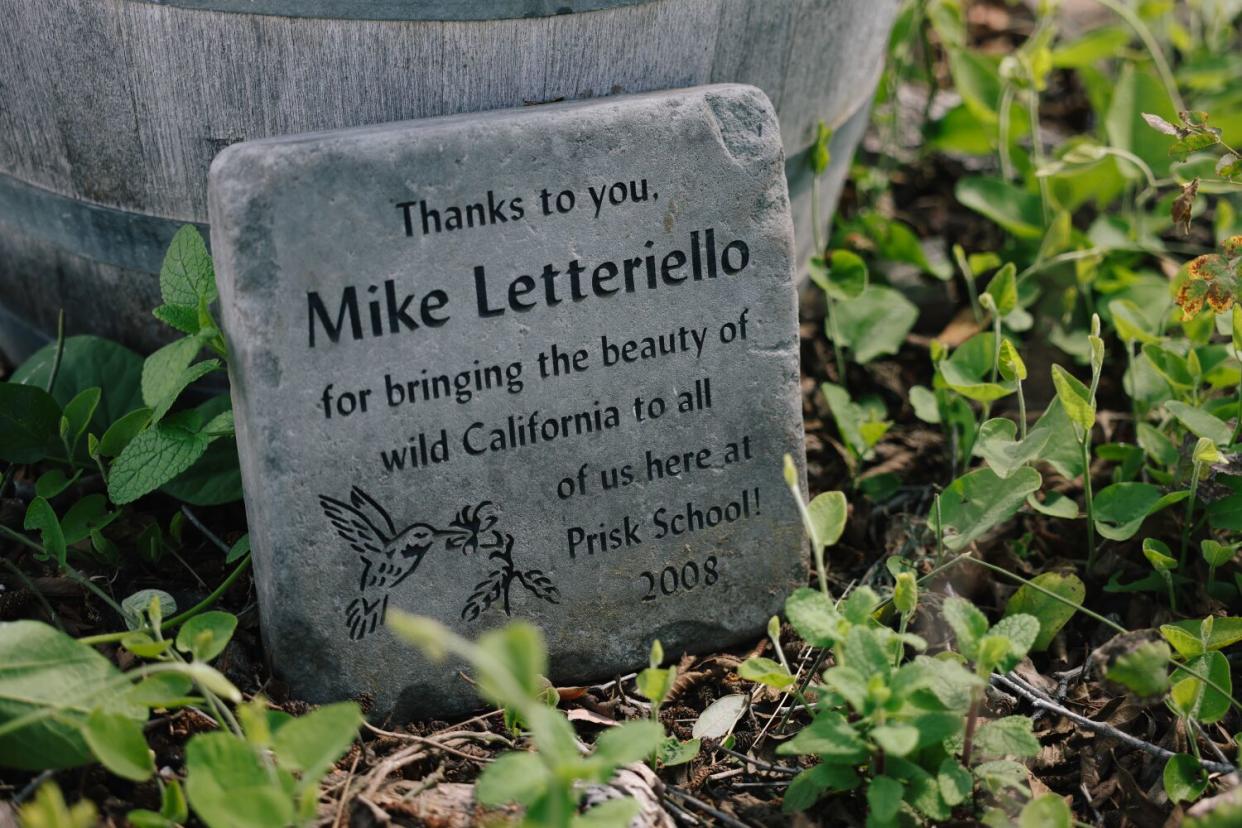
x,y
539,364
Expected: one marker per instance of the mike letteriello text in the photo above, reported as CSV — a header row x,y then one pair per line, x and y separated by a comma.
x,y
365,311
664,522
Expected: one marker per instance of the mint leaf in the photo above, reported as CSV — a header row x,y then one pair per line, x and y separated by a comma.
x,y
187,274
154,457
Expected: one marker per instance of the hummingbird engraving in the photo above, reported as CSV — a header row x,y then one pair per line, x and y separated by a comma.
x,y
388,556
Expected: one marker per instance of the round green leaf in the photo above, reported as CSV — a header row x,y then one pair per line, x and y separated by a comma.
x,y
206,635
118,743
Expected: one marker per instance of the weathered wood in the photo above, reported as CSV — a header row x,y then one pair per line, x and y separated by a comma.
x,y
123,103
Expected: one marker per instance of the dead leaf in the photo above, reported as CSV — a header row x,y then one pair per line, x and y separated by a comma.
x,y
1184,204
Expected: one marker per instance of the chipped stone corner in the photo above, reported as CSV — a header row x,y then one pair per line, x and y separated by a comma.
x,y
745,123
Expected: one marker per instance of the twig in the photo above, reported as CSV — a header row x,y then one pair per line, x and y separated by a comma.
x,y
34,590
438,745
758,762
207,533
1036,699
719,815
340,805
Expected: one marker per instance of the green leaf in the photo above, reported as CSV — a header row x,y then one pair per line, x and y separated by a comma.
x,y
206,635
187,378
828,513
1185,779
978,501
154,457
42,670
673,752
162,371
1210,705
121,432
949,682
896,739
1143,670
1159,555
79,411
1225,631
846,279
809,786
1007,736
859,426
48,810
136,605
519,650
1051,613
613,813
1054,505
995,443
1135,92
864,651
512,777
968,371
969,625
830,737
1047,811
1075,398
53,482
229,786
1062,451
1199,422
118,743
1014,209
767,672
1121,508
1002,773
187,276
238,549
629,742
89,362
1130,322
90,514
40,517
311,744
956,783
884,796
1010,364
875,323
1021,631
29,423
814,616
1004,289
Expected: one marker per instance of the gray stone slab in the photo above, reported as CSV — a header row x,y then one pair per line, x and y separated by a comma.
x,y
448,380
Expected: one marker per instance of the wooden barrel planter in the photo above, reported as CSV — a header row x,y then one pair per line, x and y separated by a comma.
x,y
111,110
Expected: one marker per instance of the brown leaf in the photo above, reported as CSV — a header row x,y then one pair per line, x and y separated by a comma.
x,y
1183,205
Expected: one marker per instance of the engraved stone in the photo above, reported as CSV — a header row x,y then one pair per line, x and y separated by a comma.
x,y
537,363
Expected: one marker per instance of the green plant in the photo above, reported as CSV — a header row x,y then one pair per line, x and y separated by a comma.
x,y
509,664
62,704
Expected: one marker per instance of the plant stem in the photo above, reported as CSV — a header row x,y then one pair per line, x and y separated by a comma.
x,y
1153,47
65,568
968,276
1004,117
835,336
972,719
1237,415
1037,149
60,350
1021,410
1090,501
1133,390
1190,513
817,549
